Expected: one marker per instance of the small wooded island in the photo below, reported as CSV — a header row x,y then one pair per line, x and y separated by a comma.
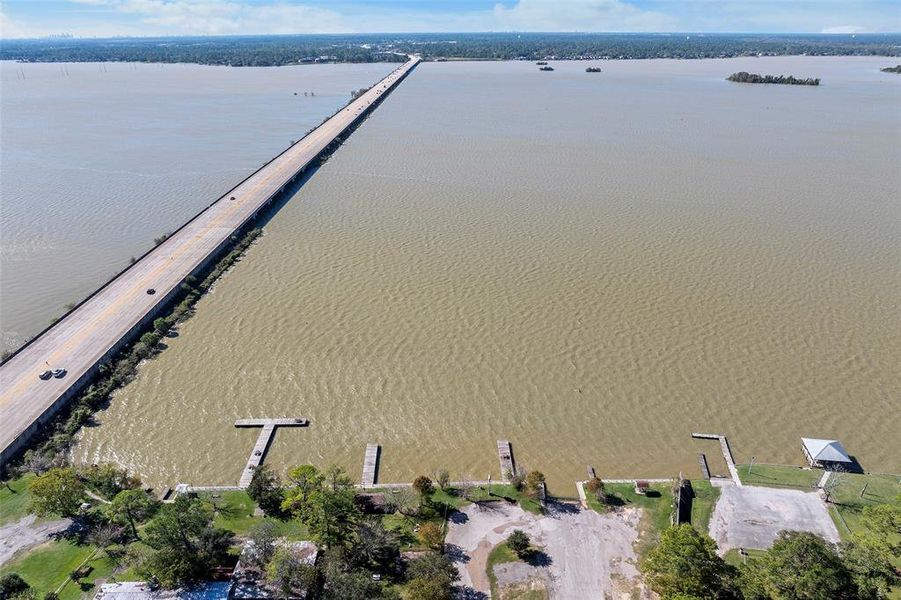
x,y
545,68
593,70
896,69
745,77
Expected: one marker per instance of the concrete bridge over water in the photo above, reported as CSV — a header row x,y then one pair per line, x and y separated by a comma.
x,y
99,327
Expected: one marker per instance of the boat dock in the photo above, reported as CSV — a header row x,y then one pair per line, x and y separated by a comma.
x,y
262,444
727,453
371,465
102,325
702,462
505,456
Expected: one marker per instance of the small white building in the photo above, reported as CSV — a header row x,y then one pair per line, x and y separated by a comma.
x,y
825,453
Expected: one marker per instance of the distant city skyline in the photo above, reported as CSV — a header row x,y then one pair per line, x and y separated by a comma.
x,y
107,18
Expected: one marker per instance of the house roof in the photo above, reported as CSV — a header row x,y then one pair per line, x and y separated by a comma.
x,y
826,450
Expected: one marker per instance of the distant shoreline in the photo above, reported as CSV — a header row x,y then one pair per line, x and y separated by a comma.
x,y
271,51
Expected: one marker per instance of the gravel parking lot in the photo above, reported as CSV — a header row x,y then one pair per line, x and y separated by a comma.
x,y
586,553
752,517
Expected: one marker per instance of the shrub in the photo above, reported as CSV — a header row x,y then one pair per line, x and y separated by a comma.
x,y
534,482
519,543
442,478
12,585
431,534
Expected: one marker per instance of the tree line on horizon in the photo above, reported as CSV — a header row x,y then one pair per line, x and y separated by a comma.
x,y
364,48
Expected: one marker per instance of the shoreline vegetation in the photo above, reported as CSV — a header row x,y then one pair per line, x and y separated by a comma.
x,y
745,77
279,50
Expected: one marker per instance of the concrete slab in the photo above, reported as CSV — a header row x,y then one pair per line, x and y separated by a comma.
x,y
752,517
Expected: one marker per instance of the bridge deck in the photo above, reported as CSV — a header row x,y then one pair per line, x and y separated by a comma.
x,y
93,330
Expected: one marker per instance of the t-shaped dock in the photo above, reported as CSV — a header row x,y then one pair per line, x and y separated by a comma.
x,y
262,445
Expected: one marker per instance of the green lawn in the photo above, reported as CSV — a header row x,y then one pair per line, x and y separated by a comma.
x,y
14,499
702,504
780,476
234,512
856,491
508,492
47,566
733,558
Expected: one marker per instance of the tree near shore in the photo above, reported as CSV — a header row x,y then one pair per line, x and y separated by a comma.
x,y
185,544
324,502
132,507
685,563
533,483
423,486
59,491
798,565
266,490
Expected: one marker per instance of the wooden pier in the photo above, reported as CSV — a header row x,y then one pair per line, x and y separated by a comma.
x,y
727,453
263,440
371,465
505,456
705,468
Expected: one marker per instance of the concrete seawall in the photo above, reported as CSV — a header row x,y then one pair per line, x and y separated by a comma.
x,y
111,318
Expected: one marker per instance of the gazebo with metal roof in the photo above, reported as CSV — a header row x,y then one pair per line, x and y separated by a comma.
x,y
822,453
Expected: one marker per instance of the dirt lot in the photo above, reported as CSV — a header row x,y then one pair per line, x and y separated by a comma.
x,y
585,554
752,517
24,533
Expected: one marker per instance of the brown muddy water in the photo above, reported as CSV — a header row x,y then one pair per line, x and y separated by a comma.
x,y
96,160
591,265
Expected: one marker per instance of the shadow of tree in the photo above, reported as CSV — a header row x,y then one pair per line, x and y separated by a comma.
x,y
456,554
538,558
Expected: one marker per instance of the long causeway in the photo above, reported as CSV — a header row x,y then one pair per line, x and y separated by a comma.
x,y
98,328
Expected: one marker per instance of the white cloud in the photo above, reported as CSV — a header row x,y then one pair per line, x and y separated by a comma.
x,y
845,29
580,15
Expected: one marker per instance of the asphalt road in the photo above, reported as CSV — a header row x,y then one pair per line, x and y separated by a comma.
x,y
78,341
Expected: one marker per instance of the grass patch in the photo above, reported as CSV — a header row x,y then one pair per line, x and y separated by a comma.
x,y
732,557
505,492
702,504
799,478
47,567
234,512
14,499
856,491
499,555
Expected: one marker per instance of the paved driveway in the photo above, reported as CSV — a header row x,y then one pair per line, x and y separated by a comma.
x,y
752,517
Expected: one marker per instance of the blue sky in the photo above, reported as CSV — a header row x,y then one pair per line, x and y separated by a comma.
x,y
102,18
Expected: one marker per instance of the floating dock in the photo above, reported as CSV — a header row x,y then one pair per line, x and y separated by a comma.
x,y
371,465
505,457
263,440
